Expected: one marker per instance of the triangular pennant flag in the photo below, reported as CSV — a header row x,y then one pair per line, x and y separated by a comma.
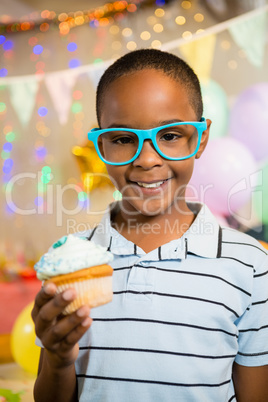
x,y
59,86
250,35
22,97
96,72
199,54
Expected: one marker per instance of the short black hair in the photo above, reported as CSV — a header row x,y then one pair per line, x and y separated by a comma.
x,y
170,64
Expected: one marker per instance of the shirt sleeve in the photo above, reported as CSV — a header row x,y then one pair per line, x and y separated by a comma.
x,y
253,324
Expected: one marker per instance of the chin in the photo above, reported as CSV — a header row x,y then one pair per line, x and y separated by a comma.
x,y
149,209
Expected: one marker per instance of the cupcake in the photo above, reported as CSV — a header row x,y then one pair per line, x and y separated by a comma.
x,y
76,262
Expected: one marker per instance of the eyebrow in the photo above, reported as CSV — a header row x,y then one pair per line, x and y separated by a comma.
x,y
160,123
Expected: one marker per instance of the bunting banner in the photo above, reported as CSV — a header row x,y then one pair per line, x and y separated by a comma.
x,y
250,35
95,74
59,86
200,54
248,31
22,98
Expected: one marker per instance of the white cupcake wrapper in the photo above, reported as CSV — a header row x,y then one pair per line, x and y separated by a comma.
x,y
91,292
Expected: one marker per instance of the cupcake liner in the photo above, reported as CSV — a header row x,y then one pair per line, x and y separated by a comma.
x,y
91,292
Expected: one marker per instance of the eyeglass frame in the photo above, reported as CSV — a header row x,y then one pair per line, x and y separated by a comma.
x,y
149,134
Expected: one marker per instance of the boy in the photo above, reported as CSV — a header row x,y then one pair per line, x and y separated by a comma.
x,y
189,317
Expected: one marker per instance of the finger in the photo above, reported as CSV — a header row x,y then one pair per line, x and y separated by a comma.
x,y
43,296
74,336
52,309
84,322
68,330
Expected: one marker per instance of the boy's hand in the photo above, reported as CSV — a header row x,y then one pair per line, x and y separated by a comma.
x,y
59,334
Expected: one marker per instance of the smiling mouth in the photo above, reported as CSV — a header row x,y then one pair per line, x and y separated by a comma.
x,y
151,185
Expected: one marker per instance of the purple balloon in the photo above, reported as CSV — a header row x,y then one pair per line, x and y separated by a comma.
x,y
249,120
223,177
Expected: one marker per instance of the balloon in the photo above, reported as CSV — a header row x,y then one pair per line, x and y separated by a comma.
x,y
222,177
94,173
260,200
23,348
264,244
249,119
221,220
215,108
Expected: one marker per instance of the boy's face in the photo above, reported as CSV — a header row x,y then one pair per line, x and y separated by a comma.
x,y
150,185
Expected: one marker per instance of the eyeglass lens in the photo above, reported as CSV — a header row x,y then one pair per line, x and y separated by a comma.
x,y
174,142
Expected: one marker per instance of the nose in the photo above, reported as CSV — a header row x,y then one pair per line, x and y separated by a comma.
x,y
148,156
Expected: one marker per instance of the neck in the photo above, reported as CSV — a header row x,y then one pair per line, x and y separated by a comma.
x,y
150,232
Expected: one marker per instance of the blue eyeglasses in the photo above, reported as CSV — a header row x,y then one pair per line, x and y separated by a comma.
x,y
174,141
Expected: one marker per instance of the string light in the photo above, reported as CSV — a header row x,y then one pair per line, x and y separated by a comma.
x,y
116,45
73,63
117,195
40,153
8,45
225,44
114,30
72,47
8,163
100,16
44,27
82,196
158,28
46,175
42,111
156,44
33,41
127,32
151,20
2,107
186,5
77,107
232,64
159,12
187,35
77,95
38,201
131,45
38,49
180,20
3,72
145,35
198,17
10,137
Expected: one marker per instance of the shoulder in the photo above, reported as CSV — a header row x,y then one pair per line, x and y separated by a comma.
x,y
235,237
239,245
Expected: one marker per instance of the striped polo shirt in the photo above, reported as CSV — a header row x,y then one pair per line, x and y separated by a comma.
x,y
180,316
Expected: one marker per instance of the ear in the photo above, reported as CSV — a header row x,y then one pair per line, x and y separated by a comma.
x,y
204,140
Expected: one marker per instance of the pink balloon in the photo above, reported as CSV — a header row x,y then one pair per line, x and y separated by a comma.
x,y
249,119
223,177
221,220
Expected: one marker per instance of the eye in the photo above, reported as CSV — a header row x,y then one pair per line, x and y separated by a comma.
x,y
119,137
170,136
122,140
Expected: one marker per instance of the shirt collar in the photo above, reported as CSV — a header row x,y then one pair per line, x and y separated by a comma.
x,y
203,238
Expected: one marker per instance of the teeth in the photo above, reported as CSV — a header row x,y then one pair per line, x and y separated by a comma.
x,y
151,185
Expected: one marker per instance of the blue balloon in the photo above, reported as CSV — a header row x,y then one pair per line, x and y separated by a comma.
x,y
215,108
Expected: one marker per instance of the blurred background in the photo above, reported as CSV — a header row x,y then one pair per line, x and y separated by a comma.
x,y
52,54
